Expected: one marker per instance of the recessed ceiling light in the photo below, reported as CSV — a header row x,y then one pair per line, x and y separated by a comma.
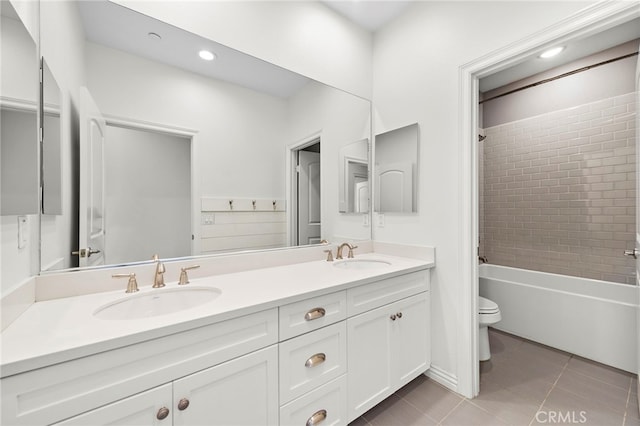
x,y
206,55
155,36
551,52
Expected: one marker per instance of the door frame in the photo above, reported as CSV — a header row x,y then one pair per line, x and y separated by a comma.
x,y
291,184
192,135
589,21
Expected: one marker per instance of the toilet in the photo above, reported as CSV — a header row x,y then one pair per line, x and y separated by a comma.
x,y
489,314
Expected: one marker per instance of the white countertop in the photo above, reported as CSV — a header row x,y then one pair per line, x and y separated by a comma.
x,y
60,330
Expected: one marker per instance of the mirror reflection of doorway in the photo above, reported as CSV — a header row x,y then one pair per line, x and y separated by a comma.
x,y
308,205
148,197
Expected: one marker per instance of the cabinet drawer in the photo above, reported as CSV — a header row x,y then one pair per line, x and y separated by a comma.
x,y
311,360
326,406
311,314
366,297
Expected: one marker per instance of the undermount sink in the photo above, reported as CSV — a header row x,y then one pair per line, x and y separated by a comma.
x,y
361,264
157,302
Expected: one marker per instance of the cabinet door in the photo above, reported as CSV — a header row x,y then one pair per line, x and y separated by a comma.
x,y
369,348
243,391
410,346
141,409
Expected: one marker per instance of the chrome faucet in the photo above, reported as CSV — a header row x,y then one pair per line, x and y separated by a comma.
x,y
158,277
342,246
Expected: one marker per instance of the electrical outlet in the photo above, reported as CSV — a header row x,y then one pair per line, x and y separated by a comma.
x,y
365,219
380,220
207,219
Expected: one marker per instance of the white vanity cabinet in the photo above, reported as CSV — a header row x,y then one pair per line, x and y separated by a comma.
x,y
209,397
321,360
233,360
388,346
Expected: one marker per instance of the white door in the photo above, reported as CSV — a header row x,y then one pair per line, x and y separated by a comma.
x,y
243,391
362,197
394,183
309,223
92,200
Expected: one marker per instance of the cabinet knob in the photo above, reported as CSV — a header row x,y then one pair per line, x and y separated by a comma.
x,y
399,314
393,317
183,404
317,417
315,360
162,413
314,313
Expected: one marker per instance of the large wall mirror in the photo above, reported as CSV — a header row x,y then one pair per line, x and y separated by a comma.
x,y
167,153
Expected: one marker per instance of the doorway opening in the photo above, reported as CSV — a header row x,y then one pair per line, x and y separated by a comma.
x,y
588,22
306,214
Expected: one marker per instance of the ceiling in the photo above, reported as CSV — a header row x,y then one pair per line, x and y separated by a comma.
x,y
574,50
120,28
369,14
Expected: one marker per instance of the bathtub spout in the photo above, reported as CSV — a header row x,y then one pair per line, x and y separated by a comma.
x,y
483,259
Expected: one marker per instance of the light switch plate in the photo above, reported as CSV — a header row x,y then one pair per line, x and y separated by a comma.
x,y
23,231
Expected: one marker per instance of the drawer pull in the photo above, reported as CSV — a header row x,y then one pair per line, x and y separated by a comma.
x,y
183,404
318,417
162,413
315,313
393,317
315,360
399,314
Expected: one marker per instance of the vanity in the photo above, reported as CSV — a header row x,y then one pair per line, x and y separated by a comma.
x,y
311,343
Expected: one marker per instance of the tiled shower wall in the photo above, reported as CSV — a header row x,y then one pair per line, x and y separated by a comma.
x,y
558,191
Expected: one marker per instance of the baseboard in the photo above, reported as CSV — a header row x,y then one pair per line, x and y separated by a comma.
x,y
443,377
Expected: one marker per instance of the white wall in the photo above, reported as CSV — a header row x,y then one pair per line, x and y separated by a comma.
x,y
303,36
416,63
155,209
62,46
239,131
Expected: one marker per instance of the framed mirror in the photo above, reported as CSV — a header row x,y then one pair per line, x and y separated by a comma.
x,y
208,140
396,170
19,178
354,177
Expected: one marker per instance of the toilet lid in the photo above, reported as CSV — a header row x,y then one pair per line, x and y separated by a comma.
x,y
487,306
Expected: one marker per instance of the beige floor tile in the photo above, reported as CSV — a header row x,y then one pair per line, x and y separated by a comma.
x,y
577,409
512,408
612,396
503,344
394,411
468,414
544,353
429,397
601,372
360,421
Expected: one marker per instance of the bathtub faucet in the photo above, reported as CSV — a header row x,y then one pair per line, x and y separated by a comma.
x,y
483,259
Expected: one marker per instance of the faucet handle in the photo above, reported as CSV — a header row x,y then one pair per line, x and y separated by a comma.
x,y
329,255
184,278
132,285
351,248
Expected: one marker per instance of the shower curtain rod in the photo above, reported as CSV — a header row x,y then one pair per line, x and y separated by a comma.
x,y
566,74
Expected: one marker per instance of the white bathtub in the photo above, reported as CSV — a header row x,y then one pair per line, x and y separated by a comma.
x,y
591,318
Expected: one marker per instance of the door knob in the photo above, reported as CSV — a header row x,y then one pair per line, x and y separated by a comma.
x,y
632,253
85,252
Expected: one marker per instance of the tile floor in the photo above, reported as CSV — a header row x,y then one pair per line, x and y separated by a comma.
x,y
524,383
